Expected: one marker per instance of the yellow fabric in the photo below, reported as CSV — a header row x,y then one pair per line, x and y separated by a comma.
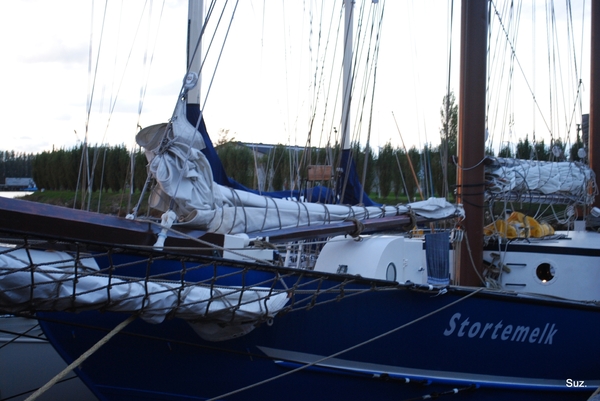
x,y
500,227
519,226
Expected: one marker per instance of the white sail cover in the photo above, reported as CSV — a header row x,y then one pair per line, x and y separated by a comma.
x,y
574,179
49,283
185,179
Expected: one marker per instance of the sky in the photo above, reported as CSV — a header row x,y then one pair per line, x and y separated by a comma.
x,y
277,74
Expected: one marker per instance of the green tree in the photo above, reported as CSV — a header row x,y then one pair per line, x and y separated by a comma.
x,y
524,149
448,146
386,164
505,152
434,170
360,156
400,172
412,182
541,152
238,162
277,165
140,170
117,165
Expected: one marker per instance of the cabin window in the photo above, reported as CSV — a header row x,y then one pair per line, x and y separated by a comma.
x,y
545,272
390,273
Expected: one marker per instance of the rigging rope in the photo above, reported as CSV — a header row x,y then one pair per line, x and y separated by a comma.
x,y
310,364
19,335
84,163
220,52
563,84
82,358
90,171
444,149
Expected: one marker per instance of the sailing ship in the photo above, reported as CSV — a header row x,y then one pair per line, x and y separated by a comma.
x,y
222,300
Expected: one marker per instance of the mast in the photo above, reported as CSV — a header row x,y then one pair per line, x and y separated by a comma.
x,y
594,136
346,163
347,69
195,22
471,135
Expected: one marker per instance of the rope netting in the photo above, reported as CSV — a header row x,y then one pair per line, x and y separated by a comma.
x,y
221,299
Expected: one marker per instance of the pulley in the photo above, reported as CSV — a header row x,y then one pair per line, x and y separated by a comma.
x,y
190,81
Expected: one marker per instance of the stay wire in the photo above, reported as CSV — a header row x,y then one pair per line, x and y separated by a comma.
x,y
144,86
445,148
219,56
95,75
84,163
17,336
114,100
24,393
129,56
379,17
509,41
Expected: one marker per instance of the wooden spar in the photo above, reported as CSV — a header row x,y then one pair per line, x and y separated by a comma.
x,y
350,227
471,135
594,137
55,222
24,218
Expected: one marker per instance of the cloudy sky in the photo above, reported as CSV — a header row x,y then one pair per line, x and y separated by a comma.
x,y
128,59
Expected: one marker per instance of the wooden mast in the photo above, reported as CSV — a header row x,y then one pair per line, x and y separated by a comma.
x,y
471,135
594,136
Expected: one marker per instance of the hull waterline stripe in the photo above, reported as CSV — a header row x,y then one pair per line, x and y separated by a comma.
x,y
293,360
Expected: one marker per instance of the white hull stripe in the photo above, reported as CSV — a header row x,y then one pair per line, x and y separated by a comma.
x,y
435,376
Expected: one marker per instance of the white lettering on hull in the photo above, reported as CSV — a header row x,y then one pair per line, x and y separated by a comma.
x,y
499,330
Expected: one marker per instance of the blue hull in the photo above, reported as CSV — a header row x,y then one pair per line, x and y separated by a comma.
x,y
487,346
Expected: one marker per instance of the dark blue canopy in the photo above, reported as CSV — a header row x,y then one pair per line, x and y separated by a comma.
x,y
352,191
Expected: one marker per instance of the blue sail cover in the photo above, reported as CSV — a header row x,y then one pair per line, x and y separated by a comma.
x,y
353,188
353,191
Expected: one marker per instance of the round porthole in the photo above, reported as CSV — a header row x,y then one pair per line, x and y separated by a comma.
x,y
545,272
390,273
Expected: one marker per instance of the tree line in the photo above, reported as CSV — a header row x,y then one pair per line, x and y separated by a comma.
x,y
15,164
107,168
391,172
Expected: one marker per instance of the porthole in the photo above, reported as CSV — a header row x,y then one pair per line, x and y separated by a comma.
x,y
390,273
545,272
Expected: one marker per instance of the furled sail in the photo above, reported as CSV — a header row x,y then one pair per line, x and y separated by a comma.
x,y
34,280
556,181
187,188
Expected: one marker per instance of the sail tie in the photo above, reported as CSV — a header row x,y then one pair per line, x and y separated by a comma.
x,y
167,220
